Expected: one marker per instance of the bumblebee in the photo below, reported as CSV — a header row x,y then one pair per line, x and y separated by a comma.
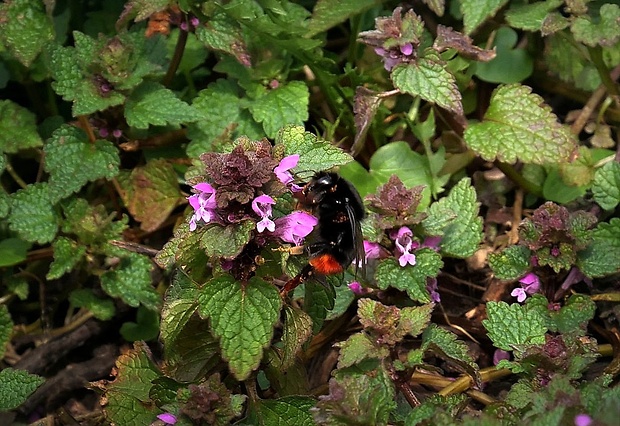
x,y
337,241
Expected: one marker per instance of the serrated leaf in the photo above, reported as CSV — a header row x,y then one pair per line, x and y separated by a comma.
x,y
297,329
93,225
575,314
429,79
145,8
411,279
606,185
447,345
226,241
32,214
602,257
530,17
18,129
512,325
72,161
285,411
13,251
16,386
327,14
72,85
242,316
315,154
455,218
102,309
153,193
6,329
565,59
604,33
179,306
510,263
153,104
359,347
131,282
475,12
390,324
519,126
285,105
223,33
127,397
67,254
26,28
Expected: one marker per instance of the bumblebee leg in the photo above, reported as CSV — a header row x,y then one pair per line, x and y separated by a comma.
x,y
303,276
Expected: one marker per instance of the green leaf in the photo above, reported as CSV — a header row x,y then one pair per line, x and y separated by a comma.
x,y
429,79
131,282
511,325
314,153
26,28
179,306
73,85
153,193
446,345
102,309
602,257
411,279
13,251
224,34
297,329
327,14
32,214
285,411
390,324
475,12
285,105
363,395
510,65
510,263
606,185
93,225
604,33
226,241
530,17
127,397
567,60
145,328
6,329
72,161
358,347
67,254
153,104
318,301
242,316
519,126
16,386
18,128
455,218
575,314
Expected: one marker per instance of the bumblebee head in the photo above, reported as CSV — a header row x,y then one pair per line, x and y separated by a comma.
x,y
320,185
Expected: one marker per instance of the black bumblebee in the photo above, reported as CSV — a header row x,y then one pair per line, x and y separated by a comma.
x,y
338,238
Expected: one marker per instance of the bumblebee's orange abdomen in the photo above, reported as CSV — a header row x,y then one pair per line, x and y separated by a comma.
x,y
326,264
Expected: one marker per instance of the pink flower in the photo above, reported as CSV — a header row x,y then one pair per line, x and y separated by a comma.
x,y
519,293
405,244
583,420
431,287
356,287
406,49
262,207
282,169
294,227
530,284
499,355
203,204
167,418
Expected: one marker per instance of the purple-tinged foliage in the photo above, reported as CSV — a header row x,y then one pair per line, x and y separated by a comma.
x,y
396,205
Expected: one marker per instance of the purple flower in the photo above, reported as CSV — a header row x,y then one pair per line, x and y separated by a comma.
x,y
167,418
555,251
203,204
194,21
405,244
431,287
499,355
583,420
371,250
406,49
117,133
356,287
184,26
282,169
262,207
294,227
530,284
104,132
432,243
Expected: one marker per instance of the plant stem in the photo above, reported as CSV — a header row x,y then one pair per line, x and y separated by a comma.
x,y
9,168
176,58
596,55
516,177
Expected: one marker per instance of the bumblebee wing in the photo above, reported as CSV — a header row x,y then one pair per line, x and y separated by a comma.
x,y
358,240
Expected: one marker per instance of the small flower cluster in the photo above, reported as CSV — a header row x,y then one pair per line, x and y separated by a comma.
x,y
243,186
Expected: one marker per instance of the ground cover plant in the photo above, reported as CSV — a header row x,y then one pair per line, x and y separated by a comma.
x,y
153,154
